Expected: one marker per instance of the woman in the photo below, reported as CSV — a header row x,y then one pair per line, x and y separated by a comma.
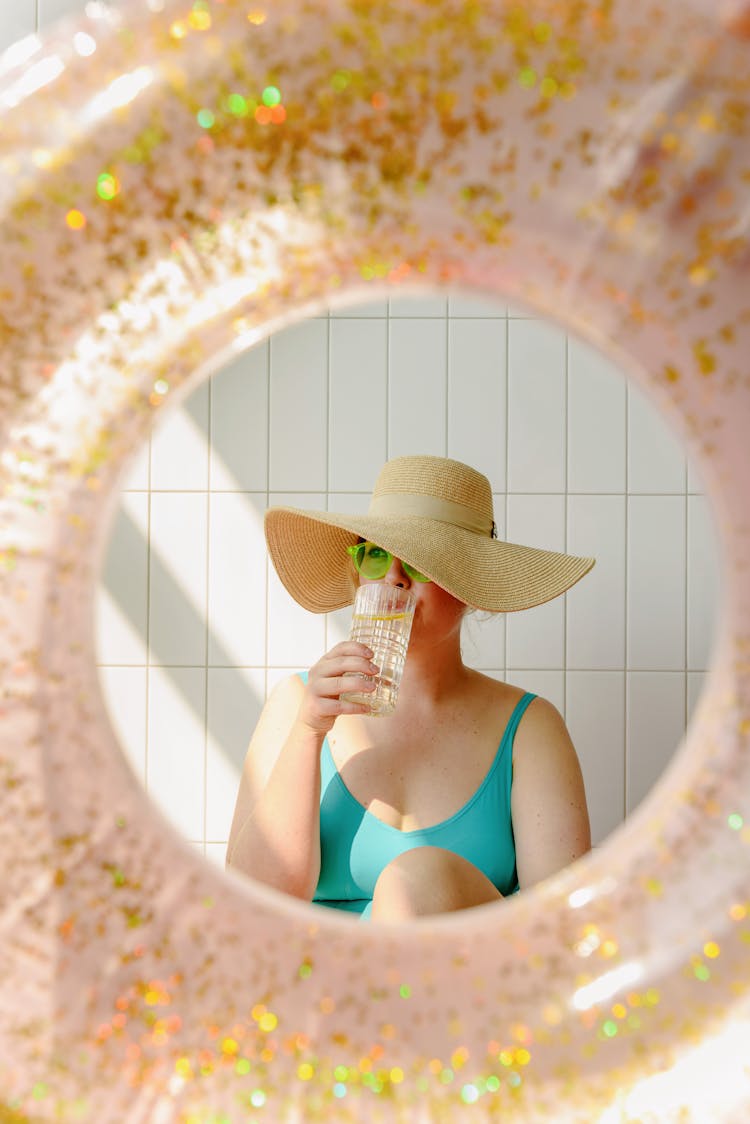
x,y
472,789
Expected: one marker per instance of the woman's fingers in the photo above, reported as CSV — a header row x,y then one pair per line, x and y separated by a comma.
x,y
348,666
334,672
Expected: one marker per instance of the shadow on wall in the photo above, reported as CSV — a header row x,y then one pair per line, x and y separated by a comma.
x,y
230,725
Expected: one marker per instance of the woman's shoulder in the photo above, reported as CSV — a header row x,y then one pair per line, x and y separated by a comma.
x,y
543,736
291,684
541,723
496,692
277,714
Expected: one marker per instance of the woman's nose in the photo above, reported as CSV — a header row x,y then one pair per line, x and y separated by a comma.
x,y
396,575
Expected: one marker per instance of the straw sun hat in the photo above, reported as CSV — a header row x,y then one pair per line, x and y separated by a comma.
x,y
434,513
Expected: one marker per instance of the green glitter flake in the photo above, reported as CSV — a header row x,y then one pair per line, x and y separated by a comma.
x,y
40,1091
238,105
341,80
257,1098
527,77
271,96
702,973
107,186
242,1067
205,118
341,1073
735,821
610,1028
493,1084
404,991
305,970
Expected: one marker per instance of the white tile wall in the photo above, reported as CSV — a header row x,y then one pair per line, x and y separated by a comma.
x,y
655,460
126,689
122,621
656,559
536,407
595,715
417,378
233,705
239,452
595,632
655,718
188,595
597,417
180,449
477,392
176,756
536,637
178,577
193,629
236,580
298,435
703,582
358,404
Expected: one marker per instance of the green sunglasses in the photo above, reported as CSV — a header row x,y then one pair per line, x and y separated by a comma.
x,y
374,562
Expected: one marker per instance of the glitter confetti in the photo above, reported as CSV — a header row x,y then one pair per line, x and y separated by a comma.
x,y
175,180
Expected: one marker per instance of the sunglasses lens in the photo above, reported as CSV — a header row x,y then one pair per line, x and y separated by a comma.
x,y
374,561
414,574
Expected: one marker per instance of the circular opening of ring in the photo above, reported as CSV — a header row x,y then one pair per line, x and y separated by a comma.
x,y
194,629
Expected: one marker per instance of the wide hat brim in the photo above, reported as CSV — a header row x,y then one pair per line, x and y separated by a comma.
x,y
308,550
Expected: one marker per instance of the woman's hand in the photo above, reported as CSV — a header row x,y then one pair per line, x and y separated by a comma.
x,y
338,671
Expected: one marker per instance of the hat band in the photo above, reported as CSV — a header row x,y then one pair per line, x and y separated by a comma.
x,y
431,507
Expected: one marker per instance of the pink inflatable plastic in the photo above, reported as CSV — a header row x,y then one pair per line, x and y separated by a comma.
x,y
179,179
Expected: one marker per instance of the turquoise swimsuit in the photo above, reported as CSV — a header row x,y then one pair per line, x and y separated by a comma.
x,y
355,846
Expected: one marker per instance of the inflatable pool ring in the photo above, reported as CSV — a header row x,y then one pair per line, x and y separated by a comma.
x,y
178,180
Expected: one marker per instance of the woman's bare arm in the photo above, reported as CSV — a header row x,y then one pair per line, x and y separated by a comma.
x,y
548,799
275,833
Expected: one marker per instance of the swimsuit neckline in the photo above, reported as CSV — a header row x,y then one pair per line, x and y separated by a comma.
x,y
456,815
